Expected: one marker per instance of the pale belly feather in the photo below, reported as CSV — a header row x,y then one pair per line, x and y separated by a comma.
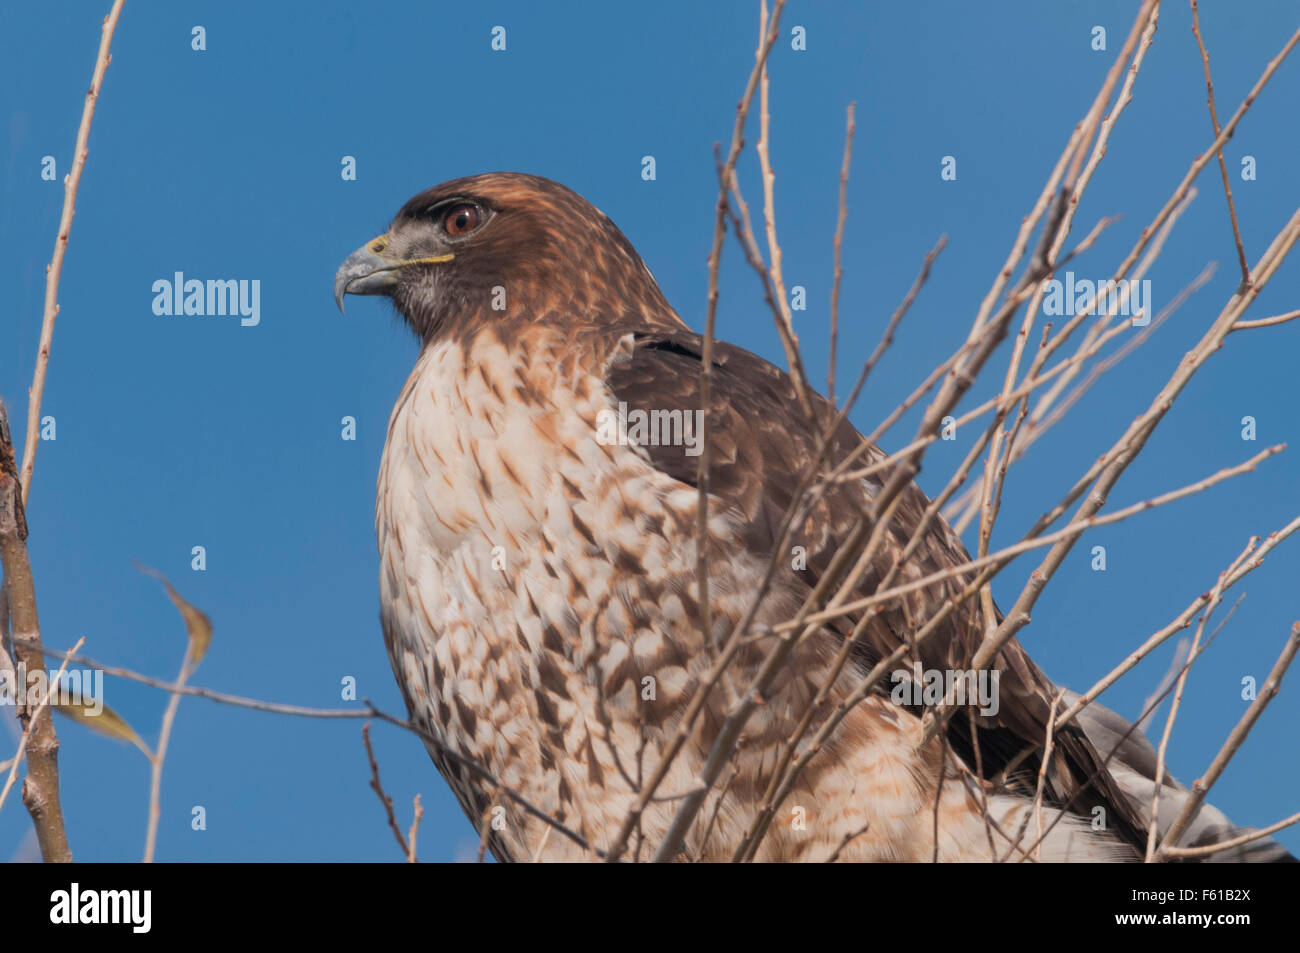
x,y
537,597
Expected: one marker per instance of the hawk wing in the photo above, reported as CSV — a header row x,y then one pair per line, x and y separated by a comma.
x,y
760,446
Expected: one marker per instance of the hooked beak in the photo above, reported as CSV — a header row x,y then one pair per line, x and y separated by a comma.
x,y
367,272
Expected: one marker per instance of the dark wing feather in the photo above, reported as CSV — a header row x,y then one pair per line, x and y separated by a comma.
x,y
760,447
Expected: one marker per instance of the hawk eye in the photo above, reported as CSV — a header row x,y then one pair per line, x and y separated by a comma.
x,y
462,219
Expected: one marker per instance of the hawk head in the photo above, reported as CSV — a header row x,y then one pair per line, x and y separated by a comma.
x,y
503,247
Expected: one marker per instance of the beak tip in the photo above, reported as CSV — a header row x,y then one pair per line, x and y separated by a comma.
x,y
341,281
363,272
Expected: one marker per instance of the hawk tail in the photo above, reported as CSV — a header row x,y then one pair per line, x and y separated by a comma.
x,y
1132,763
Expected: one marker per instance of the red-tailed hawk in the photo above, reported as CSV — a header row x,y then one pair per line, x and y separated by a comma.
x,y
538,572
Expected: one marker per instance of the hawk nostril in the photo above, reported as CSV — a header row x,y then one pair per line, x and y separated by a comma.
x,y
377,245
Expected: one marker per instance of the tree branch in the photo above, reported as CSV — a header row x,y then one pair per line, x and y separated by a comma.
x,y
55,269
41,787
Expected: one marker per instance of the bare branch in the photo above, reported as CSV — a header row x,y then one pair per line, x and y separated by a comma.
x,y
706,365
1007,553
1216,596
785,320
838,248
1182,621
159,756
1112,464
41,707
1223,166
1195,853
301,711
55,270
1042,771
384,799
1238,735
417,812
847,839
1266,322
41,787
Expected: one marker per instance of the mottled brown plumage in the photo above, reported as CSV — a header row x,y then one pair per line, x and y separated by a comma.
x,y
538,588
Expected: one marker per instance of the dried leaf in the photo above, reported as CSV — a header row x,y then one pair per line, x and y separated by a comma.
x,y
105,721
197,625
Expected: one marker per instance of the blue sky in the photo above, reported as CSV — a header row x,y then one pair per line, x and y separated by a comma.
x,y
174,432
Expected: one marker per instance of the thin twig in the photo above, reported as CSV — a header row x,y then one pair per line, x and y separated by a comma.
x,y
992,485
485,830
706,358
1042,771
706,365
417,812
887,338
1193,853
55,270
384,799
1108,469
1152,705
1070,530
1223,165
301,711
1181,622
838,248
785,319
1266,322
17,759
969,505
160,755
868,682
1216,596
938,800
845,841
1234,741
